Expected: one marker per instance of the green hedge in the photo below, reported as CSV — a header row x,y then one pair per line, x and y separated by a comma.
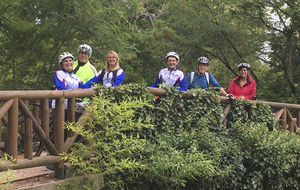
x,y
174,143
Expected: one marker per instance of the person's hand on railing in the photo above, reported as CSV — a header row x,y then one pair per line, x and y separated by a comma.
x,y
230,96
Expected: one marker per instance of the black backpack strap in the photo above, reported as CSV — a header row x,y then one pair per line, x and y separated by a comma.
x,y
115,72
76,69
102,76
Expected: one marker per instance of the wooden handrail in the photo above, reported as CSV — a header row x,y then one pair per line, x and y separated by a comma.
x,y
44,95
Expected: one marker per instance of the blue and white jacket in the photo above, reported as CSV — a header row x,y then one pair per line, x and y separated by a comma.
x,y
66,81
107,79
175,78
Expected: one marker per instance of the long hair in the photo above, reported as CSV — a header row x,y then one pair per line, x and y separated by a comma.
x,y
117,66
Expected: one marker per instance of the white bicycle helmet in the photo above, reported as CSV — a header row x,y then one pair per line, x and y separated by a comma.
x,y
85,48
79,107
244,65
63,56
203,60
172,54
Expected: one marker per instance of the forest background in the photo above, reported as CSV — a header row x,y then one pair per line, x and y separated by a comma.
x,y
263,33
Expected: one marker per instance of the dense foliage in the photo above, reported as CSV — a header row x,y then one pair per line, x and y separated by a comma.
x,y
264,34
142,142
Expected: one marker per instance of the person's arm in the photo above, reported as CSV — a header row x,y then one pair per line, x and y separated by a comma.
x,y
182,84
223,91
59,81
81,84
187,81
214,82
158,81
93,80
119,78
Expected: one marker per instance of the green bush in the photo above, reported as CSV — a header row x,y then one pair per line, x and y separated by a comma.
x,y
142,142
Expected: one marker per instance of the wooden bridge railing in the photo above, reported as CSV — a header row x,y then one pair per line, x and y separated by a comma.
x,y
17,101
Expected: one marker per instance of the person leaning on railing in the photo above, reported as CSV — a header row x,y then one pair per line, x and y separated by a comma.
x,y
64,79
242,86
111,75
202,78
171,75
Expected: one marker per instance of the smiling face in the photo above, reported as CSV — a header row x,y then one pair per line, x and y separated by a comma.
x,y
244,72
83,57
202,68
111,60
172,63
67,64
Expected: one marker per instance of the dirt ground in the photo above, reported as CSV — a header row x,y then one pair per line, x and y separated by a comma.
x,y
34,176
33,181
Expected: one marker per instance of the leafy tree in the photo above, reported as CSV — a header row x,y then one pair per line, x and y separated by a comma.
x,y
34,33
280,20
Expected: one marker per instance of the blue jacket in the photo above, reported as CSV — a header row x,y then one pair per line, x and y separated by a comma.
x,y
107,79
66,81
200,81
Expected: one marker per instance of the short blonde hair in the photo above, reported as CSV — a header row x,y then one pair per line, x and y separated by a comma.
x,y
117,65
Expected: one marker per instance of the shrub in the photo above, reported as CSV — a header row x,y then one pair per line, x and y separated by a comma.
x,y
141,142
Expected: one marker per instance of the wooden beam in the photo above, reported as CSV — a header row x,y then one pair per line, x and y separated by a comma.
x,y
38,130
283,122
70,140
279,114
59,134
292,123
45,116
71,114
28,136
25,163
5,106
226,111
12,130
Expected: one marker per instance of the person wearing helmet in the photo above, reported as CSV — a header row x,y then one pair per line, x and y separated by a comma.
x,y
65,79
171,75
111,75
82,67
202,78
242,86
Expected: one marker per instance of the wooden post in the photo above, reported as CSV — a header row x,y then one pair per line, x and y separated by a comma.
x,y
37,129
226,110
28,136
298,118
5,121
283,118
12,130
36,110
59,134
292,123
71,114
70,140
250,110
0,129
45,116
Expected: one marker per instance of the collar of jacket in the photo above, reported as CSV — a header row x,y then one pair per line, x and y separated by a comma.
x,y
237,80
